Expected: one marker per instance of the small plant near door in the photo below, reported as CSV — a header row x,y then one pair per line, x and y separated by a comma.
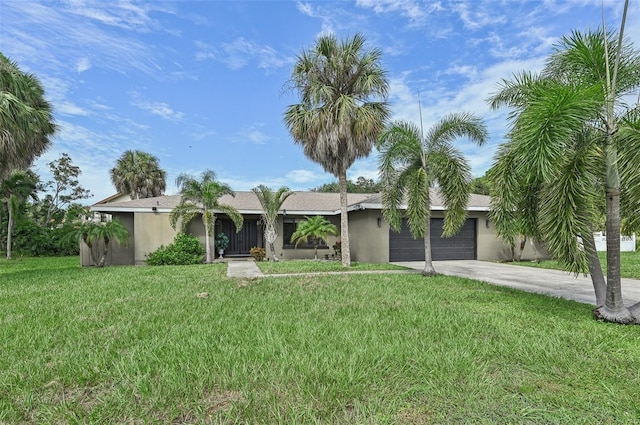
x,y
222,242
258,253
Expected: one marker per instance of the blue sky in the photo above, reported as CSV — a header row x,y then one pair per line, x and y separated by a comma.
x,y
202,84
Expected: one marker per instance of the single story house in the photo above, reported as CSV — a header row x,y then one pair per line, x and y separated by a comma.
x,y
370,236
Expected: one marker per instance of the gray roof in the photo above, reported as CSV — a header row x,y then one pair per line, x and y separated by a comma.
x,y
302,203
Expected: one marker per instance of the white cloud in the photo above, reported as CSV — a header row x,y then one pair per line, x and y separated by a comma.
x,y
240,52
302,176
407,8
157,108
83,65
479,16
205,51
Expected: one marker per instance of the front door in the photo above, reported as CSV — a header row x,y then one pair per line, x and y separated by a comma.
x,y
240,243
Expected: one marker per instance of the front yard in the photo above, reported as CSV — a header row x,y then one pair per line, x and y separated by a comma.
x,y
188,345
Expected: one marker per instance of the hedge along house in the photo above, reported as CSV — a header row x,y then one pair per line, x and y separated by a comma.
x,y
370,236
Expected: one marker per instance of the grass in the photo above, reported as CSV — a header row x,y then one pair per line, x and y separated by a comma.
x,y
137,345
313,266
629,264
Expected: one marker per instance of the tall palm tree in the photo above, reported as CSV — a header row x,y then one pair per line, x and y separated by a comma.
x,y
14,191
26,118
338,118
139,174
411,164
202,197
271,203
572,134
316,229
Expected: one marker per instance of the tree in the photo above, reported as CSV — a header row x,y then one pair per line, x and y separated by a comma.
x,y
201,197
361,185
26,118
338,118
14,191
62,191
98,237
271,203
138,174
411,164
314,229
481,185
572,134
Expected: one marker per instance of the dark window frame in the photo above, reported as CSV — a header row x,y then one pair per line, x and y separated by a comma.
x,y
289,225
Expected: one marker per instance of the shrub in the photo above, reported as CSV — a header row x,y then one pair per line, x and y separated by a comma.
x,y
184,250
258,253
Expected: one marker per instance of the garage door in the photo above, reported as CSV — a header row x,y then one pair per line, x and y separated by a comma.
x,y
462,246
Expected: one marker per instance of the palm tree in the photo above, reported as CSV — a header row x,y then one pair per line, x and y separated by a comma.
x,y
571,134
316,229
271,202
138,174
94,234
201,197
411,164
338,119
14,191
26,118
106,232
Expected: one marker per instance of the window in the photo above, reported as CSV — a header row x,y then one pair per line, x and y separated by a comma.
x,y
289,229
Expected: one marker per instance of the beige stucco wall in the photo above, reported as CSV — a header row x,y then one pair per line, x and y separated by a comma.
x,y
152,230
491,248
369,243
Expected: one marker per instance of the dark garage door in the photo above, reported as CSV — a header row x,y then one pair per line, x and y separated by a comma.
x,y
462,246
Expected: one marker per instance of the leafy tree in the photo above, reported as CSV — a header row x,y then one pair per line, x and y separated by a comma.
x,y
26,118
361,185
572,134
14,191
271,203
338,118
61,192
481,185
202,197
139,174
314,229
411,164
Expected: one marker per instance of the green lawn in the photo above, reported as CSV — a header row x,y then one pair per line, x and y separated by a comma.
x,y
629,264
312,266
137,345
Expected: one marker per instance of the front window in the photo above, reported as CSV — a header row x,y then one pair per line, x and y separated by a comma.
x,y
290,225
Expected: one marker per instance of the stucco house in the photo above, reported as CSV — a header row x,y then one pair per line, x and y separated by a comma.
x,y
370,236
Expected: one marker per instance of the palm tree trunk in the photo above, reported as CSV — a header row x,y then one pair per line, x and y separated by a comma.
x,y
595,269
207,244
273,252
344,220
9,231
103,259
614,309
428,262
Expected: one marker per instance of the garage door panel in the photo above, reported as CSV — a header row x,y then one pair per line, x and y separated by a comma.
x,y
462,246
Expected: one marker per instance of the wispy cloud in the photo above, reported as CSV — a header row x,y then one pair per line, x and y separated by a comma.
x,y
161,109
83,65
479,16
70,39
414,11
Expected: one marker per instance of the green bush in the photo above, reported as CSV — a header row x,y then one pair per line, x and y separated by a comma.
x,y
184,250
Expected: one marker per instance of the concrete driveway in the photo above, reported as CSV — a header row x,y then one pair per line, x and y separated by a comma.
x,y
549,282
